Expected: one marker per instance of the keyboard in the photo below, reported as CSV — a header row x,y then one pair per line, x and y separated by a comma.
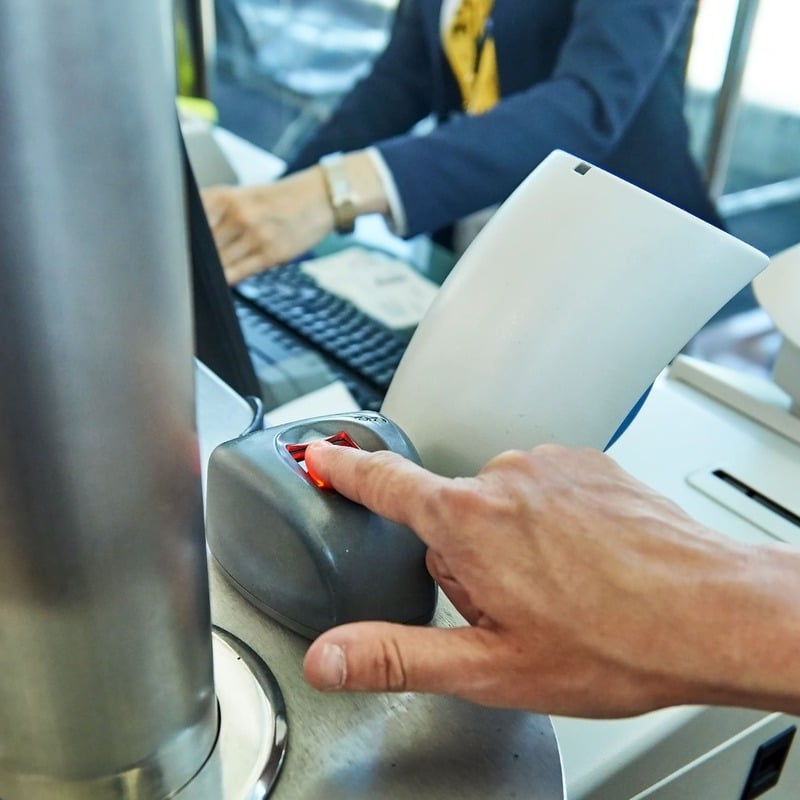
x,y
302,336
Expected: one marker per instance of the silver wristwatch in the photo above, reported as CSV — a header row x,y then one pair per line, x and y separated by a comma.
x,y
340,192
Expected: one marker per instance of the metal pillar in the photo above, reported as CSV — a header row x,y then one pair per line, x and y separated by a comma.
x,y
196,44
106,686
720,142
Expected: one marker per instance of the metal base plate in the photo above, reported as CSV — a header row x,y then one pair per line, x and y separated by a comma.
x,y
251,744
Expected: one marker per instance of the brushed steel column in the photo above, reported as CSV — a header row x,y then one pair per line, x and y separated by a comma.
x,y
726,107
106,686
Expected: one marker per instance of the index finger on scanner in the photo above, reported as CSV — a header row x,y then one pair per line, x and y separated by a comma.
x,y
383,481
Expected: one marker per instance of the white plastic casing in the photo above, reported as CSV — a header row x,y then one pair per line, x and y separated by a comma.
x,y
558,317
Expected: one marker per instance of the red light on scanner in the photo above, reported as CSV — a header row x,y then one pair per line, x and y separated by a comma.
x,y
298,453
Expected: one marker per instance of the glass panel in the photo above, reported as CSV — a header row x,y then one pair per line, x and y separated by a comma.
x,y
767,112
282,65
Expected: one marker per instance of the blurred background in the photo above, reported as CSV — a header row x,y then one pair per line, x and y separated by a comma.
x,y
275,69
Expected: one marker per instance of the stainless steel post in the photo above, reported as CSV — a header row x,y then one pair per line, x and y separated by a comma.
x,y
720,139
106,687
196,44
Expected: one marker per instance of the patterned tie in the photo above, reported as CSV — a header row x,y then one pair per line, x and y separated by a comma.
x,y
469,46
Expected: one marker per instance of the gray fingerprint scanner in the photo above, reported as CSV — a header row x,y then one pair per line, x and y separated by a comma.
x,y
305,555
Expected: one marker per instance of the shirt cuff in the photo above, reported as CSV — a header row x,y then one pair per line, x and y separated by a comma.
x,y
396,218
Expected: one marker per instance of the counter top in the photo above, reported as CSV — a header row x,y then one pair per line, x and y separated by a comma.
x,y
391,745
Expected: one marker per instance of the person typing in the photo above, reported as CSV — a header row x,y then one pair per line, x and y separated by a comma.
x,y
504,84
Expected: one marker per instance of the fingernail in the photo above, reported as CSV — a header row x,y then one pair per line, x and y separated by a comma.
x,y
332,667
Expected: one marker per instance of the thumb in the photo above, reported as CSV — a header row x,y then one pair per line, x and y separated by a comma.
x,y
384,657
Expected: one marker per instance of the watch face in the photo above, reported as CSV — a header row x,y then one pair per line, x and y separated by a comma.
x,y
340,192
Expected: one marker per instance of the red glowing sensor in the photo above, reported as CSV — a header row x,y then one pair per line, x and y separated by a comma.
x,y
298,453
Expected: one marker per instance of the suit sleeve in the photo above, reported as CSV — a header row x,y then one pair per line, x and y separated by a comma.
x,y
611,58
389,101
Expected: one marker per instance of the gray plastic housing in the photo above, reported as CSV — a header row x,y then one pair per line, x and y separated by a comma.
x,y
306,556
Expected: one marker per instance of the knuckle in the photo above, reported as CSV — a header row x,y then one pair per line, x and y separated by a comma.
x,y
377,469
551,448
455,500
241,214
381,457
257,244
390,668
261,244
231,204
544,455
512,459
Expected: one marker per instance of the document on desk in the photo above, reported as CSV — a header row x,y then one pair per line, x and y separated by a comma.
x,y
331,399
383,287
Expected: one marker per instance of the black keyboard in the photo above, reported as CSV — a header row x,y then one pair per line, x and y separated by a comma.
x,y
293,327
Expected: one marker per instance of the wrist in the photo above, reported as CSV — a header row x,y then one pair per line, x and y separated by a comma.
x,y
767,637
749,639
352,187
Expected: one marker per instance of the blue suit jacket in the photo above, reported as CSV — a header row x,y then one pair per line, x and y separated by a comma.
x,y
601,79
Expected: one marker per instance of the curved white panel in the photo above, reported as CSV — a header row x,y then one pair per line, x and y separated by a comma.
x,y
559,316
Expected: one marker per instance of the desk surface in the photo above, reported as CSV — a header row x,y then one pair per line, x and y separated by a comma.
x,y
391,746
378,745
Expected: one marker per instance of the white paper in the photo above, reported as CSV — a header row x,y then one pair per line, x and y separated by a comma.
x,y
331,399
383,287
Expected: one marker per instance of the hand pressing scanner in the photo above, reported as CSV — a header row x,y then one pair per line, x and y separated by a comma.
x,y
305,555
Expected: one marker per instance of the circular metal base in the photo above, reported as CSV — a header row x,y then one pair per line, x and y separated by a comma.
x,y
251,743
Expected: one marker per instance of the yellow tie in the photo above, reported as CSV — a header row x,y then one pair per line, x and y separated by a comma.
x,y
469,46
